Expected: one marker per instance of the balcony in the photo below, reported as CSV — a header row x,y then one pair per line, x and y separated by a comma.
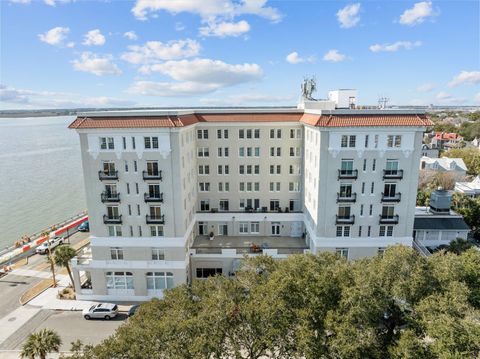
x,y
107,175
147,176
110,197
392,174
388,219
352,198
155,219
388,198
112,220
155,198
347,174
345,219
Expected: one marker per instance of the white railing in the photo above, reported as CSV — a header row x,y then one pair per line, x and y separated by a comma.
x,y
421,249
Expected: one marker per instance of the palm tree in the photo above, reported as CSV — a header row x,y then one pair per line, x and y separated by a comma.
x,y
40,344
62,258
50,259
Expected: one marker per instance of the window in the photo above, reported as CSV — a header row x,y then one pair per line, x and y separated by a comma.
x,y
204,205
295,133
344,212
294,186
241,133
126,166
374,164
369,231
131,231
274,205
363,187
208,272
275,169
203,152
116,253
388,211
345,190
348,141
364,165
151,142
224,205
366,141
372,188
255,227
223,187
386,231
204,186
376,141
115,231
107,143
359,231
370,212
119,280
156,231
256,133
346,167
223,152
124,139
159,280
241,151
389,190
256,169
204,170
391,167
243,227
342,252
128,188
343,231
136,188
274,186
394,141
295,151
202,134
129,210
158,254
112,212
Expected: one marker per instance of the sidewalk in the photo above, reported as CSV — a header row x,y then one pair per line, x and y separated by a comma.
x,y
15,320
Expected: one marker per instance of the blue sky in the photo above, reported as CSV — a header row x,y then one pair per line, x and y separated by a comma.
x,y
66,53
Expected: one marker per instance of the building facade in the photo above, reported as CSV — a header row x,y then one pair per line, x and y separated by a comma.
x,y
177,195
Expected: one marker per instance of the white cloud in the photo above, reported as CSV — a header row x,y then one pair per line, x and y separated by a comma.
x,y
21,1
294,58
194,77
417,14
224,29
206,71
445,97
407,45
54,2
94,37
245,99
23,98
179,26
207,9
477,97
151,88
131,35
348,16
466,77
427,87
154,51
55,36
334,56
97,65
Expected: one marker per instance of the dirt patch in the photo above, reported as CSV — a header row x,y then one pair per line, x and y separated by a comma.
x,y
36,290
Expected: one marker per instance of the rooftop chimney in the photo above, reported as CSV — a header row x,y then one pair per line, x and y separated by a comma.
x,y
440,201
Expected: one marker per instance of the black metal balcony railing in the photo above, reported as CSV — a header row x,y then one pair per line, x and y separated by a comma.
x,y
346,198
347,174
345,219
389,219
155,219
152,175
153,198
112,220
392,174
107,175
391,198
110,197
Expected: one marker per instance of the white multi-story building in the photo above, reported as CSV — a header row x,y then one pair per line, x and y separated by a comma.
x,y
176,195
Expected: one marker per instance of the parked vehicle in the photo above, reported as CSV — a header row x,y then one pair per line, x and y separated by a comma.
x,y
101,311
54,242
133,309
84,227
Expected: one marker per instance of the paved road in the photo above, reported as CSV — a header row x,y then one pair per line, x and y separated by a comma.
x,y
13,286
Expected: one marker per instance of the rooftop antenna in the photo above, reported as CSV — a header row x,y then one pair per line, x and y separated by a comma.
x,y
309,86
382,102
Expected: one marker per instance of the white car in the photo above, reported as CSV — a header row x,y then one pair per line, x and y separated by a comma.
x,y
101,311
54,242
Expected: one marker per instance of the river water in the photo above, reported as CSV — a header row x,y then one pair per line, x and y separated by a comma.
x,y
41,181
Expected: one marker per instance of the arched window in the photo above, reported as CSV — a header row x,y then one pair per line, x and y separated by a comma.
x,y
159,280
119,280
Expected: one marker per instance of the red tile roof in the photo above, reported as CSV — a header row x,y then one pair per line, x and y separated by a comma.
x,y
361,120
334,120
447,136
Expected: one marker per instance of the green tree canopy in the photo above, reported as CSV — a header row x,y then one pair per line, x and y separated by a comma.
x,y
399,305
41,343
471,157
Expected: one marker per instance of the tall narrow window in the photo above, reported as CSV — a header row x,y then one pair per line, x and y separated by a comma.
x,y
366,141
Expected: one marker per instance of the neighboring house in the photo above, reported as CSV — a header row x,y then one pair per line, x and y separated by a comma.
x,y
444,164
437,224
476,143
427,151
446,140
471,189
176,195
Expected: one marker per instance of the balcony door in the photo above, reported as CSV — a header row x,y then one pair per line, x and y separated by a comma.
x,y
109,167
112,212
275,229
344,212
392,167
155,212
345,190
389,189
223,229
347,167
388,211
111,190
154,191
152,168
